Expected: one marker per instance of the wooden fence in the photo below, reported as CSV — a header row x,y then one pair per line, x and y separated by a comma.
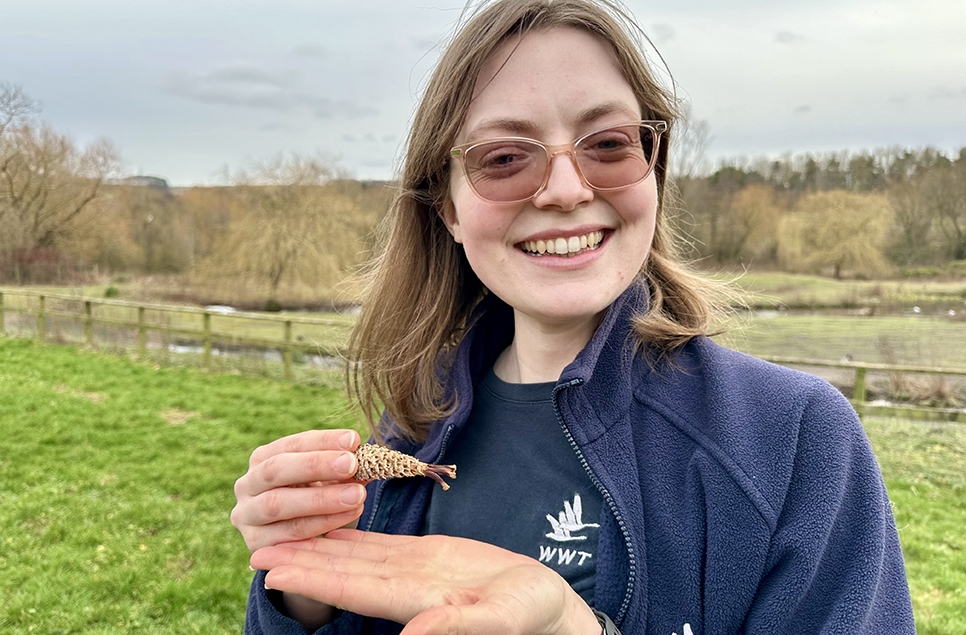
x,y
326,336
289,334
860,394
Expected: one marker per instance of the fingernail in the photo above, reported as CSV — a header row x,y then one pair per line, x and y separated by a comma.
x,y
343,463
352,495
251,568
347,439
268,588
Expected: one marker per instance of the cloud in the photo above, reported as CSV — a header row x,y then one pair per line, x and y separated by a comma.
x,y
326,108
311,50
663,33
275,126
803,109
425,43
944,92
368,137
247,76
787,37
248,87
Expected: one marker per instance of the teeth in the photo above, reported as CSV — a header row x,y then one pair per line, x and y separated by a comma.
x,y
564,246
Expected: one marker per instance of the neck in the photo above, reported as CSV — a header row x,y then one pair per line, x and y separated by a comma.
x,y
539,351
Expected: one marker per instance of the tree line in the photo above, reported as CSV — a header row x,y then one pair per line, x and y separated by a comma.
x,y
65,216
840,213
298,221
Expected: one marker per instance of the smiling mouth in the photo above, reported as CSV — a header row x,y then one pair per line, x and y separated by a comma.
x,y
563,247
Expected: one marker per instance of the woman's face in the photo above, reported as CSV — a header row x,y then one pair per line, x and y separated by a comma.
x,y
555,87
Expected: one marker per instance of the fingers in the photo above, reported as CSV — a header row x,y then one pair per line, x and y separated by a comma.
x,y
296,529
473,619
285,503
298,487
435,584
308,441
331,555
296,468
397,598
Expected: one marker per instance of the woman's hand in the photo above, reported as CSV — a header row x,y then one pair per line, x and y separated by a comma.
x,y
298,487
433,584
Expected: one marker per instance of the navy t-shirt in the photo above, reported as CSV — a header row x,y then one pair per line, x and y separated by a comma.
x,y
520,485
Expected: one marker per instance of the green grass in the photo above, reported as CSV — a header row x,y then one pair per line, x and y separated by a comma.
x,y
925,341
924,465
773,289
116,483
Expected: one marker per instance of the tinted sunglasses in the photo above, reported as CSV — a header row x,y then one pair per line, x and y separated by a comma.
x,y
515,169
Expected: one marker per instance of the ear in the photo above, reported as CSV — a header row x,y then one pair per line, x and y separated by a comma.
x,y
451,220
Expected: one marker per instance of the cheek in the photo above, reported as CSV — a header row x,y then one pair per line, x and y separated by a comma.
x,y
637,206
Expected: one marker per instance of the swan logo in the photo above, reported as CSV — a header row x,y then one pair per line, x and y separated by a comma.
x,y
568,522
568,527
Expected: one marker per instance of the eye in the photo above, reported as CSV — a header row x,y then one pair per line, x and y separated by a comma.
x,y
614,144
501,159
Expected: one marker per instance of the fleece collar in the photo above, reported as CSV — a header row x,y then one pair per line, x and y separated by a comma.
x,y
602,368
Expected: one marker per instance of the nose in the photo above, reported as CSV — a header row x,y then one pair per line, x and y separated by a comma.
x,y
565,189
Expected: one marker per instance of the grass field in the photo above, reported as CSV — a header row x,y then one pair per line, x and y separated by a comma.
x,y
912,340
774,289
116,482
115,487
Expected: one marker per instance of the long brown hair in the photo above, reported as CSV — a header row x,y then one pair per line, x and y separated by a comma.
x,y
420,290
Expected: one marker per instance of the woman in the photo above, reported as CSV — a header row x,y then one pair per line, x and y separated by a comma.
x,y
616,466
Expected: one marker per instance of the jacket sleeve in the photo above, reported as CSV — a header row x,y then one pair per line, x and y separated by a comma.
x,y
834,564
264,618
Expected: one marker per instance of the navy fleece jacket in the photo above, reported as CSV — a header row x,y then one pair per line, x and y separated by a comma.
x,y
740,496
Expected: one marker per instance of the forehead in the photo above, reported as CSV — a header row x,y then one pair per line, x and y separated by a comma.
x,y
545,82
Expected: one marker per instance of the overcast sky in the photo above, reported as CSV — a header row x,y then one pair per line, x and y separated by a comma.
x,y
186,88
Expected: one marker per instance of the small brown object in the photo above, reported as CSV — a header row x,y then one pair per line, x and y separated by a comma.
x,y
378,462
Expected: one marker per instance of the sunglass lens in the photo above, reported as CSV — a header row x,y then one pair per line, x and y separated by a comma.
x,y
507,170
616,157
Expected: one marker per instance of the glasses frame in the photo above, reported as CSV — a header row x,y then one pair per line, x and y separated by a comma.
x,y
657,128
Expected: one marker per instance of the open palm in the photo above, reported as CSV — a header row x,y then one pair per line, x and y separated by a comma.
x,y
433,584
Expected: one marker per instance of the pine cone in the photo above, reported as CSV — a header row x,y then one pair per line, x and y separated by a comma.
x,y
379,462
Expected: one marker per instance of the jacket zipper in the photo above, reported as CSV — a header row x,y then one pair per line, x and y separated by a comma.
x,y
632,557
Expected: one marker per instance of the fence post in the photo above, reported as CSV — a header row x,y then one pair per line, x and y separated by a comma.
x,y
3,329
858,389
287,351
207,338
142,333
88,323
42,319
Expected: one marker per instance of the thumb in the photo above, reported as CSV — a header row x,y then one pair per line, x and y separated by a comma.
x,y
471,619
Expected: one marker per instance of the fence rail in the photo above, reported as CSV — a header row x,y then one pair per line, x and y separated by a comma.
x,y
195,324
859,398
327,337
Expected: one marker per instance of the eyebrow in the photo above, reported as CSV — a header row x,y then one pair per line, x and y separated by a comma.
x,y
524,127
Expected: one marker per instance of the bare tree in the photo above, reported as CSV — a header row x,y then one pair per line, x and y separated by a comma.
x,y
46,182
16,108
15,105
298,227
913,243
688,154
837,230
944,190
755,223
